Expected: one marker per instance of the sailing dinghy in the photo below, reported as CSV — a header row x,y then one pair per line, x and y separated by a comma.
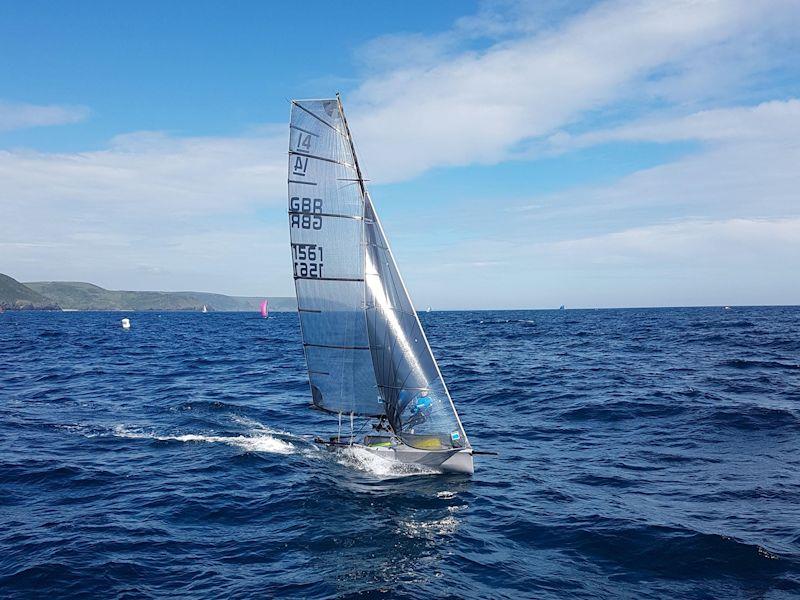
x,y
365,349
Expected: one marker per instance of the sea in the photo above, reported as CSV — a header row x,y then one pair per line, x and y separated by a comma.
x,y
641,453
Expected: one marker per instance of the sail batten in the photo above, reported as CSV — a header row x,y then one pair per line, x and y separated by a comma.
x,y
338,162
298,212
299,105
330,278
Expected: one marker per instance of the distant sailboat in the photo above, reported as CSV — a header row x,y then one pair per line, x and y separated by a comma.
x,y
264,311
366,352
205,309
427,310
561,307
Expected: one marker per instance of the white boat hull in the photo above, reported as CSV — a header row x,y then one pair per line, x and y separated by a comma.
x,y
447,461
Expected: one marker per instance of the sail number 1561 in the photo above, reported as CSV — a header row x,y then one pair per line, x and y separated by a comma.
x,y
307,260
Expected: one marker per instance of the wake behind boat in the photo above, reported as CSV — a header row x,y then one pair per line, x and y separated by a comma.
x,y
365,349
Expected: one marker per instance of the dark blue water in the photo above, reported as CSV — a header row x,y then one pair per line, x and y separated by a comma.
x,y
643,454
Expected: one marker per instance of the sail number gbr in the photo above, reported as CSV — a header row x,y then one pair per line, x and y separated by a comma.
x,y
305,213
307,260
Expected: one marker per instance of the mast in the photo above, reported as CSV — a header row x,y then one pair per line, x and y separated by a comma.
x,y
352,149
363,188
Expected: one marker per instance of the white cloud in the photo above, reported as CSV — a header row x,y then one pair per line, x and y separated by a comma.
x,y
680,244
680,263
746,167
20,116
146,173
477,106
691,244
775,121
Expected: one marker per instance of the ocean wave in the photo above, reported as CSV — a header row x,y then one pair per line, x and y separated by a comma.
x,y
606,481
743,363
622,410
650,548
206,405
722,324
264,442
752,418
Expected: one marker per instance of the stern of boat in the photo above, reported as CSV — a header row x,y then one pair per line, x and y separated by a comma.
x,y
460,462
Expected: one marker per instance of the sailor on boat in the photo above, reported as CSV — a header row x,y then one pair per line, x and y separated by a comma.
x,y
423,404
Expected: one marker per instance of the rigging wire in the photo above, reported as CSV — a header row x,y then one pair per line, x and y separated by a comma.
x,y
351,428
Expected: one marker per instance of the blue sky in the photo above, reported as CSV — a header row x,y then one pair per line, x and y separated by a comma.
x,y
521,154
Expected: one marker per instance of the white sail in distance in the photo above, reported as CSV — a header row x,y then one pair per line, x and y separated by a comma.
x,y
365,348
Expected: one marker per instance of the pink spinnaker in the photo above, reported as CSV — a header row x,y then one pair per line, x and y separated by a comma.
x,y
264,311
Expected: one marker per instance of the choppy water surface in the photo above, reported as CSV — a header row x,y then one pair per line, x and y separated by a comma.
x,y
643,454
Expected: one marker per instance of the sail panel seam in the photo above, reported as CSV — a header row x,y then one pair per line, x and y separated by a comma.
x,y
296,277
319,214
303,130
334,347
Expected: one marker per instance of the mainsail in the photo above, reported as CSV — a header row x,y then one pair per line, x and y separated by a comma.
x,y
366,352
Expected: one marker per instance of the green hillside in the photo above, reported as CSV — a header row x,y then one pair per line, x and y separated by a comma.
x,y
75,295
17,296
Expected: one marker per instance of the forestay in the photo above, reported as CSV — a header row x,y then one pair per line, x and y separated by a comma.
x,y
365,348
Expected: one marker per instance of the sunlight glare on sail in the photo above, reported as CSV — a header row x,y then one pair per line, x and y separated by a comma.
x,y
375,286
